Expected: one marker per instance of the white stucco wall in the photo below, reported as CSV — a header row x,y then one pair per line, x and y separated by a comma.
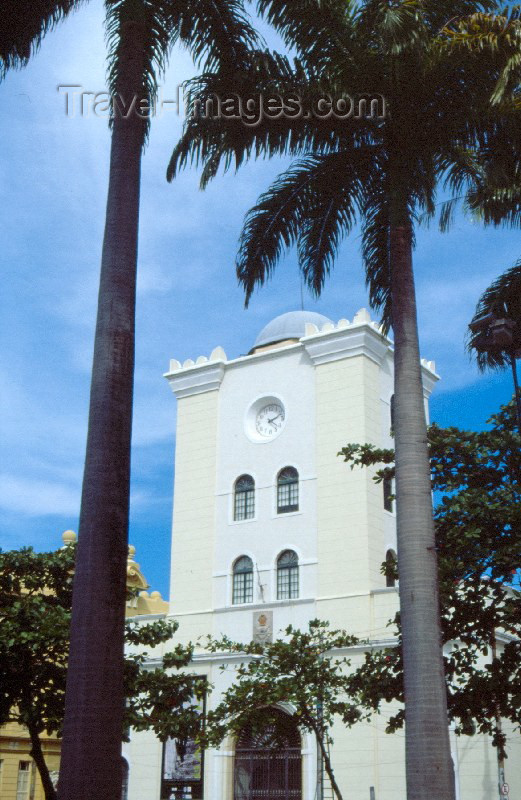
x,y
336,387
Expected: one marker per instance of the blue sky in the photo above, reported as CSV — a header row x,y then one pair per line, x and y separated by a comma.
x,y
53,180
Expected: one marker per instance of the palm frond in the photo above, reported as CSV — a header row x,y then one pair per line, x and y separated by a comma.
x,y
272,226
375,245
461,167
496,205
335,200
494,189
447,213
399,26
441,14
286,213
213,140
148,28
499,36
218,33
317,30
502,299
24,24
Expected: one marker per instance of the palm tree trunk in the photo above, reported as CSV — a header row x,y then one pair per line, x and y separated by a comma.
x,y
429,770
91,752
41,765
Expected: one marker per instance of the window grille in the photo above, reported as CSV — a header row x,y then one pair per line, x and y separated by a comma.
x,y
287,490
268,759
244,498
242,581
287,576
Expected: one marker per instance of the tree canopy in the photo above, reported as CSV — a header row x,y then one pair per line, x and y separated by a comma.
x,y
305,669
476,478
35,614
449,74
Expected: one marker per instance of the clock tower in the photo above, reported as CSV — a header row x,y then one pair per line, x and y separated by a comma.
x,y
254,429
272,528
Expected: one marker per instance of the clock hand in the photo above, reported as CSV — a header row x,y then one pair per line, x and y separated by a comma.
x,y
273,419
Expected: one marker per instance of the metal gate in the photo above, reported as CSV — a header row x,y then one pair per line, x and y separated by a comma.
x,y
268,763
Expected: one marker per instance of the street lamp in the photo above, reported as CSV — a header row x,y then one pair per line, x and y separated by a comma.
x,y
494,334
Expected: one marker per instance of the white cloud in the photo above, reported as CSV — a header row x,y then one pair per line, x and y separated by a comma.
x,y
32,497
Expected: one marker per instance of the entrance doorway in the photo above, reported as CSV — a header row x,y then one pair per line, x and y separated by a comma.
x,y
268,761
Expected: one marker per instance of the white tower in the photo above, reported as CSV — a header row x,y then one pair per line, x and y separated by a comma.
x,y
271,527
307,388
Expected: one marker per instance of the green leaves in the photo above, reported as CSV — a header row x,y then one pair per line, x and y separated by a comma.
x,y
305,672
306,669
437,84
35,612
218,33
477,480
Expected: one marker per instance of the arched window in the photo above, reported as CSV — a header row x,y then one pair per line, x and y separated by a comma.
x,y
242,581
287,575
244,498
387,484
287,490
268,759
390,568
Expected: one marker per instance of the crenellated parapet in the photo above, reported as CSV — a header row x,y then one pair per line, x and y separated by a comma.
x,y
323,341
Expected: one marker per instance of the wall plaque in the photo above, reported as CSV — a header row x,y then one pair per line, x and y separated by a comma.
x,y
263,627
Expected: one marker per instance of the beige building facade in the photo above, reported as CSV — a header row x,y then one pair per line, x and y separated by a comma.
x,y
272,528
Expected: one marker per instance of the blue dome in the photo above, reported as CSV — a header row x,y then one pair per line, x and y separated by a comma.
x,y
291,325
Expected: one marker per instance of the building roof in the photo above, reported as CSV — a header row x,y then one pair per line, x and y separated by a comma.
x,y
291,325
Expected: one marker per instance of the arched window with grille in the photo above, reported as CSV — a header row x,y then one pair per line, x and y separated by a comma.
x,y
268,759
242,591
390,568
244,498
287,490
287,576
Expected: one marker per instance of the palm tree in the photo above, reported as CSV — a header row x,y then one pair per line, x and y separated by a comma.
x,y
140,34
25,24
383,172
495,331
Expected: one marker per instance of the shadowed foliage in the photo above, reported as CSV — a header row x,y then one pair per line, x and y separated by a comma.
x,y
35,615
503,299
477,480
449,73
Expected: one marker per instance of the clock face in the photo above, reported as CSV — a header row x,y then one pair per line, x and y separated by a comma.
x,y
265,419
269,420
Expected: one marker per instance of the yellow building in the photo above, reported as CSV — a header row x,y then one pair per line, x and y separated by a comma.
x,y
19,778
